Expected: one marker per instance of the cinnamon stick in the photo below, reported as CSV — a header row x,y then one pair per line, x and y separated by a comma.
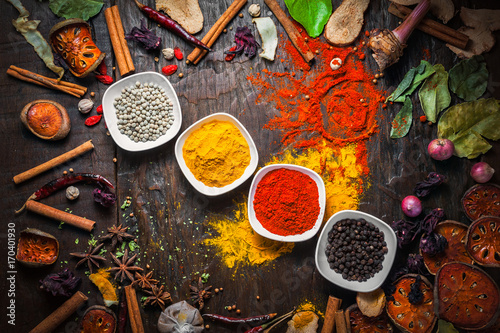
x,y
57,317
340,323
81,149
216,30
59,215
118,47
134,312
332,306
347,314
295,36
432,27
121,35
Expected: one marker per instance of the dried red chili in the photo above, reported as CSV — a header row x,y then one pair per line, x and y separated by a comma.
x,y
255,320
106,79
99,109
91,121
169,70
178,53
102,68
230,56
286,202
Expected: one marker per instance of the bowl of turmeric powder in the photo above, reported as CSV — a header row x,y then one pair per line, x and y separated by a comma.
x,y
216,154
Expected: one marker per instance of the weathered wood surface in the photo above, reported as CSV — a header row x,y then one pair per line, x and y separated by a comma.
x,y
168,212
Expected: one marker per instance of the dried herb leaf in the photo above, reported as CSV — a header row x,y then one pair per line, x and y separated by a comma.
x,y
83,9
467,124
411,81
469,78
313,15
434,94
402,122
446,327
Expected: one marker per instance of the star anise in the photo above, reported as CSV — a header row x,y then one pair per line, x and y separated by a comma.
x,y
144,281
158,297
90,257
125,266
117,234
200,294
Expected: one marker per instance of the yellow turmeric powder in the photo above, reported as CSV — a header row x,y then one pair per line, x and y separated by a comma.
x,y
216,153
102,280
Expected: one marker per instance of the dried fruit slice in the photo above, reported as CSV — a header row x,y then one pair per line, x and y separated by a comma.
x,y
371,304
466,296
363,324
409,317
72,40
483,241
456,235
482,200
98,319
46,119
37,248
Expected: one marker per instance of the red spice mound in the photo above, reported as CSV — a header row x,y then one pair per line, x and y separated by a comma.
x,y
286,202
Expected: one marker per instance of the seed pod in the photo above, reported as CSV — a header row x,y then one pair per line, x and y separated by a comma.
x,y
85,105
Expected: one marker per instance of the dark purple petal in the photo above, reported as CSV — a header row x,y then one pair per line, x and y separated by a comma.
x,y
245,42
406,231
433,243
425,187
416,295
105,198
416,264
432,219
145,36
61,284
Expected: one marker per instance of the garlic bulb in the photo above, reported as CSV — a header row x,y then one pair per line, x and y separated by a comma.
x,y
85,105
72,193
254,10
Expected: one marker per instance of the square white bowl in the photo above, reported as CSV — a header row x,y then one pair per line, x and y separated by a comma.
x,y
255,223
199,186
372,283
109,111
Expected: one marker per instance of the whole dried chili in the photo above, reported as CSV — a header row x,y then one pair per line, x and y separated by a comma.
x,y
102,68
170,24
178,53
91,121
255,320
99,109
106,79
230,56
286,202
169,70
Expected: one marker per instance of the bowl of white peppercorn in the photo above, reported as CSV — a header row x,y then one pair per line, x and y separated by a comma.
x,y
356,250
142,111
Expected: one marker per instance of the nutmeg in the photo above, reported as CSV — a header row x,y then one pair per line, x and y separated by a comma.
x,y
254,10
46,119
85,105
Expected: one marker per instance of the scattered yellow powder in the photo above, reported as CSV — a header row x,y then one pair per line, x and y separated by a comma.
x,y
102,280
238,244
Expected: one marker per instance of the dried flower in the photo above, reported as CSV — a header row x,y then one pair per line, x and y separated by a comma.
x,y
146,37
433,243
104,197
406,231
245,42
416,295
426,186
63,283
416,264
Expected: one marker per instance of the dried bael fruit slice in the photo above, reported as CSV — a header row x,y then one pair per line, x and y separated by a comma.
x,y
483,241
466,296
72,40
36,248
98,319
408,317
46,119
363,324
482,200
456,235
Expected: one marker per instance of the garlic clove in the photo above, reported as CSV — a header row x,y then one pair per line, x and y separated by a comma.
x,y
85,105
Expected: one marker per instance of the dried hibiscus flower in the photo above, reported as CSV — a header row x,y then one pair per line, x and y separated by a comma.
x,y
432,242
433,180
245,42
146,37
63,283
104,197
406,231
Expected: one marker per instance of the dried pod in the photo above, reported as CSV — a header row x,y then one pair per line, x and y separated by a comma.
x,y
72,193
409,317
466,296
98,319
36,248
456,235
371,304
482,200
254,10
85,105
72,40
363,324
46,119
483,241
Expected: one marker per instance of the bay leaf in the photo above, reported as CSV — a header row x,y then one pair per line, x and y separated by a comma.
x,y
411,81
402,122
469,124
469,78
434,94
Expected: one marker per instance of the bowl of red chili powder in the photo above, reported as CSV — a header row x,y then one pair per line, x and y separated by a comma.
x,y
286,203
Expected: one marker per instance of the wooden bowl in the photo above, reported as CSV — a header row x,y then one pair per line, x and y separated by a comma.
x,y
46,119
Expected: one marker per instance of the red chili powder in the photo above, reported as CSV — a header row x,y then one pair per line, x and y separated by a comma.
x,y
286,202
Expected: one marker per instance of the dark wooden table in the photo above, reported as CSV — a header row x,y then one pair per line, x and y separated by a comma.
x,y
169,214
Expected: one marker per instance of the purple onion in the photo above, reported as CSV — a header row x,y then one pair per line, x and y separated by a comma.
x,y
482,172
411,206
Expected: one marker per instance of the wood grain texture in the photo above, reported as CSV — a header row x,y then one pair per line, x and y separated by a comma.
x,y
169,216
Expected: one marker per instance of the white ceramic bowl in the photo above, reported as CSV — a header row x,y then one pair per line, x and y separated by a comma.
x,y
199,186
336,278
109,111
257,226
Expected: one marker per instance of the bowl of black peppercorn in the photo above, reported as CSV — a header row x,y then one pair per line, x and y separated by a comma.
x,y
356,250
